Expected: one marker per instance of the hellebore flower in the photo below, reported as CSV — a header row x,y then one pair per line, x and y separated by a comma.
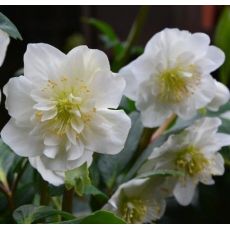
x,y
139,200
173,76
62,110
194,152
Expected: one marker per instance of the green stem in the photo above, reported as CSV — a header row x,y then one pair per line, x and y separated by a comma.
x,y
132,37
44,192
18,177
67,201
148,137
6,190
142,145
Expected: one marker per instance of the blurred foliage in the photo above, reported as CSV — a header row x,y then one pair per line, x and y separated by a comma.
x,y
78,179
221,39
8,26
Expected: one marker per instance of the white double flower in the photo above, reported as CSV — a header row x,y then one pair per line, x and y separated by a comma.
x,y
173,76
63,109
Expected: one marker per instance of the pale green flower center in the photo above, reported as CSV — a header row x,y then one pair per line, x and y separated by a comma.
x,y
132,210
72,103
190,160
177,84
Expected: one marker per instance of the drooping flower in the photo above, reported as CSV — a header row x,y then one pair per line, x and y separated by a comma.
x,y
62,109
139,200
173,76
194,152
4,42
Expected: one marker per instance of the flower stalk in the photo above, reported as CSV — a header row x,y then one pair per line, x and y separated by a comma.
x,y
44,192
67,200
162,128
132,37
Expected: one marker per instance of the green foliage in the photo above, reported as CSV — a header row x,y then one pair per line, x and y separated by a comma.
x,y
28,214
222,38
161,173
7,26
99,217
111,166
7,158
78,179
109,37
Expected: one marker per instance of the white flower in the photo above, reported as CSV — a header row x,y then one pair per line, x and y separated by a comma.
x,y
139,200
194,152
173,76
4,42
62,109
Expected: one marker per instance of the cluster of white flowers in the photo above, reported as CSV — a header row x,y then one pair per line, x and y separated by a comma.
x,y
64,109
173,77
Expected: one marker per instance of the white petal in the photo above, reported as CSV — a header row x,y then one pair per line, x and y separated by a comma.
x,y
76,151
204,93
19,140
154,116
4,41
217,57
221,97
87,157
217,167
44,106
134,74
223,139
206,178
42,62
184,192
71,134
107,89
107,132
77,125
51,151
83,63
55,178
61,163
48,115
199,42
51,140
18,101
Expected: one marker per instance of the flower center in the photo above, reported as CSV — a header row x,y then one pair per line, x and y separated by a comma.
x,y
177,84
132,210
69,106
191,161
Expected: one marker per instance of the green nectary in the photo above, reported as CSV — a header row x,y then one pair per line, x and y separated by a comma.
x,y
190,160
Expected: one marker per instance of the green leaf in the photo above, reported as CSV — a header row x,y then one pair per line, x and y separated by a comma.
x,y
99,217
28,214
78,179
103,27
111,166
109,37
161,173
92,190
221,39
6,160
127,105
8,26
